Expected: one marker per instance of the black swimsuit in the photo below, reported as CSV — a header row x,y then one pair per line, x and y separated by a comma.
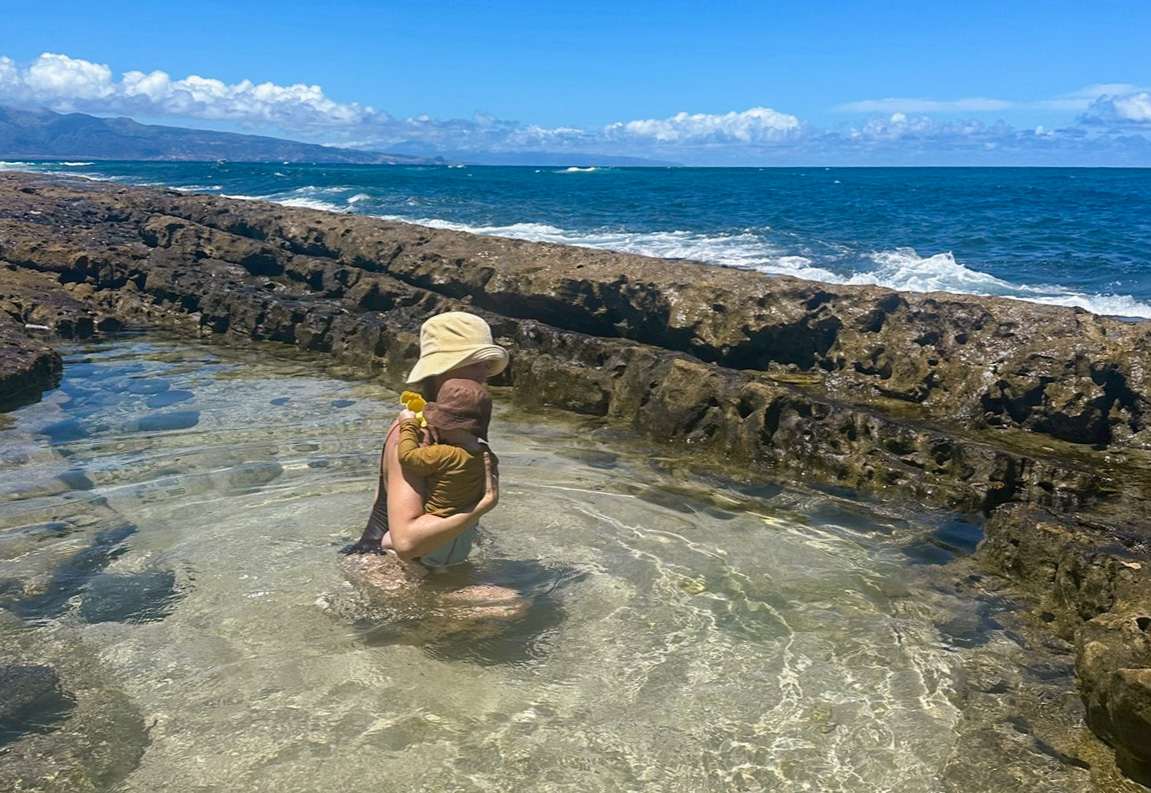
x,y
370,541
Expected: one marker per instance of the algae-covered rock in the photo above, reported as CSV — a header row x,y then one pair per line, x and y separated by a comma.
x,y
90,738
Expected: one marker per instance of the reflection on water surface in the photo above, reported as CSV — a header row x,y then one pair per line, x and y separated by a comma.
x,y
168,525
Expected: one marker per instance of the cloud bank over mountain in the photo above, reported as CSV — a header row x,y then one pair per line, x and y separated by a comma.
x,y
1110,127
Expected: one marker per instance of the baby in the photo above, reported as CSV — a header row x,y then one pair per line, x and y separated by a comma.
x,y
453,466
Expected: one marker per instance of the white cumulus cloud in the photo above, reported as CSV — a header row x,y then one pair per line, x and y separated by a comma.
x,y
9,74
1086,96
66,84
759,125
1123,109
898,126
68,78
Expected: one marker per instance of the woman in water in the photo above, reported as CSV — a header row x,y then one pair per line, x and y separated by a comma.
x,y
454,345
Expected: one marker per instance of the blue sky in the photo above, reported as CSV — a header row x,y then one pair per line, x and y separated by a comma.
x,y
750,83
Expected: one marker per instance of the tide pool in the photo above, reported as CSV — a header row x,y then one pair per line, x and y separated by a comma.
x,y
174,562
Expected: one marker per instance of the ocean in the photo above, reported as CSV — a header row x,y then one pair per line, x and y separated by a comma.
x,y
1068,236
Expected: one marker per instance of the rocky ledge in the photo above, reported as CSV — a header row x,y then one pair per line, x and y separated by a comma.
x,y
1036,416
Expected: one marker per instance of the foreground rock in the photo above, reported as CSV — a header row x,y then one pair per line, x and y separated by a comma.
x,y
28,366
977,404
1094,589
32,303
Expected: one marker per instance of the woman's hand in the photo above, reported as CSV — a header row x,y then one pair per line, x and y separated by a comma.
x,y
491,496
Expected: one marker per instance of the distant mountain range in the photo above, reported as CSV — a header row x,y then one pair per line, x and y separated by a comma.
x,y
44,135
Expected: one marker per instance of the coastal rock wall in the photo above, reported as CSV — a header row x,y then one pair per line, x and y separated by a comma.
x,y
358,289
977,404
991,362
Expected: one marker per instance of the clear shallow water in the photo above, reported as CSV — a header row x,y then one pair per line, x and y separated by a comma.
x,y
1067,236
683,634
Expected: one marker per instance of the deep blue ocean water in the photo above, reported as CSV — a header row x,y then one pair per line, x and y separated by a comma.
x,y
1072,236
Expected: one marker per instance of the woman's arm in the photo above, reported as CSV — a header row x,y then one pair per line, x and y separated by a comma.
x,y
411,533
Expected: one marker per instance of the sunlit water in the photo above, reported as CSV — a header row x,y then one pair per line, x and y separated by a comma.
x,y
684,633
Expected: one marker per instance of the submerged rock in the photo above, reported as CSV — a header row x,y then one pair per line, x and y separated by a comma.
x,y
87,738
137,597
249,476
31,700
165,422
168,398
66,430
69,579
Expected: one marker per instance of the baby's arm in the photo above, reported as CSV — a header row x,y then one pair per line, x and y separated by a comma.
x,y
420,460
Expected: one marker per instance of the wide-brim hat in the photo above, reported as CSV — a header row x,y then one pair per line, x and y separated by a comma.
x,y
463,405
455,339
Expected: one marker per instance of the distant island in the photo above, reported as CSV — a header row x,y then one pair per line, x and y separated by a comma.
x,y
45,135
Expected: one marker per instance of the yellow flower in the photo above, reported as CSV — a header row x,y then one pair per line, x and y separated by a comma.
x,y
415,403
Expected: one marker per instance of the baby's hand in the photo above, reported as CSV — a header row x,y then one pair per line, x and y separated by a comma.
x,y
407,414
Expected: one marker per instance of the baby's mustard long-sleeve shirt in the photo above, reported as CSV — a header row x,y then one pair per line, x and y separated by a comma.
x,y
455,476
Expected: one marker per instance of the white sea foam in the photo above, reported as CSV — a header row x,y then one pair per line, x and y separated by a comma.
x,y
574,169
744,249
312,203
358,197
310,197
54,167
907,271
76,164
1108,305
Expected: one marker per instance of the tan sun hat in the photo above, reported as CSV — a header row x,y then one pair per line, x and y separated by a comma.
x,y
454,339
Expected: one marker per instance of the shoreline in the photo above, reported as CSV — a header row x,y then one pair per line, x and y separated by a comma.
x,y
1036,416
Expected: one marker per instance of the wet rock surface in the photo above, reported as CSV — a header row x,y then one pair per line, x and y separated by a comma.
x,y
28,365
1034,415
1090,582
